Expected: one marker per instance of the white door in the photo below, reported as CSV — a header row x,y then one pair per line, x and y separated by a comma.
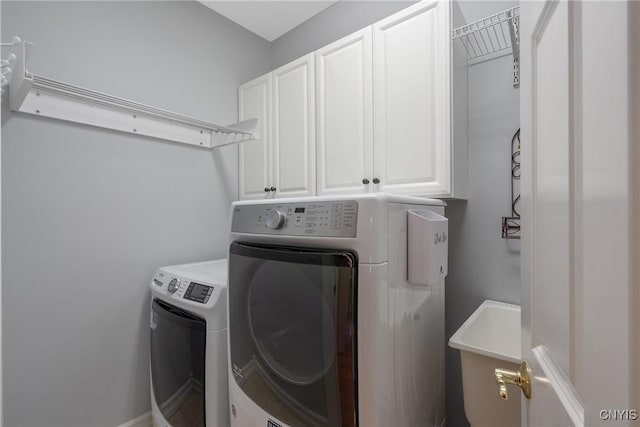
x,y
254,167
581,213
411,83
344,111
294,148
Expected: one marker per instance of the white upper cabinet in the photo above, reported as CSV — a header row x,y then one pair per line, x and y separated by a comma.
x,y
344,112
390,103
254,100
282,162
412,102
293,130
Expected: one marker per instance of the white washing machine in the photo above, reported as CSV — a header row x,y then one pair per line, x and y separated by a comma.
x,y
189,345
336,311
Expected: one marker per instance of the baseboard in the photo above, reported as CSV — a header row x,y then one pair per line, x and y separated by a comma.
x,y
143,420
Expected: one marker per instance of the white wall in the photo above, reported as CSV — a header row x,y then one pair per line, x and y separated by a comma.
x,y
88,214
482,265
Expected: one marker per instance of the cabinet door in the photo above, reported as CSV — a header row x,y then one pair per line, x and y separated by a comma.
x,y
411,68
293,129
254,100
345,127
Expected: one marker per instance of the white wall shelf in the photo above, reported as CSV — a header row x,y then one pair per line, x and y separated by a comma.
x,y
489,37
30,93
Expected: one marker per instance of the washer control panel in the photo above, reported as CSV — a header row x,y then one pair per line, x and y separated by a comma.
x,y
183,288
322,219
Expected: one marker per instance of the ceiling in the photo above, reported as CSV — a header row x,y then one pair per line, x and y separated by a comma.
x,y
269,19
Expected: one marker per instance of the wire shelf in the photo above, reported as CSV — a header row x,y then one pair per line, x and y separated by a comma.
x,y
492,34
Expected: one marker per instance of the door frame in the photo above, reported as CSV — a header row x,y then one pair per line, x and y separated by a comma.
x,y
634,178
1,339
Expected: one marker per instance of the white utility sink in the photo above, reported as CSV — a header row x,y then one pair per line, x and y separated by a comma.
x,y
489,339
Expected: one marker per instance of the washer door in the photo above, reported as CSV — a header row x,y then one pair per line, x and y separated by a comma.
x,y
178,341
291,330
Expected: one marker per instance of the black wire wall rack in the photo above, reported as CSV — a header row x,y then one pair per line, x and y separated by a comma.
x,y
511,224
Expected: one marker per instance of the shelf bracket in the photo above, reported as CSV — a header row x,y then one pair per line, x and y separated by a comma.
x,y
515,44
33,94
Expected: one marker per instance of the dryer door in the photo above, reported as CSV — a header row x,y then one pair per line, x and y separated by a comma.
x,y
292,332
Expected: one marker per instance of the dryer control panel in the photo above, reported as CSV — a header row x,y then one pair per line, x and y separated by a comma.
x,y
321,219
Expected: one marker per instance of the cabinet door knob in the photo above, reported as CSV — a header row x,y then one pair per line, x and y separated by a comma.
x,y
273,188
365,181
376,181
267,189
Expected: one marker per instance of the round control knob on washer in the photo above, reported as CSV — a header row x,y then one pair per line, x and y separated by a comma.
x,y
174,284
275,219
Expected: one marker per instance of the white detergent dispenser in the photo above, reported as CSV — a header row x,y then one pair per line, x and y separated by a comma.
x,y
428,242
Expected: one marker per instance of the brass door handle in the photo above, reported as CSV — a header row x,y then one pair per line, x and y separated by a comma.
x,y
521,378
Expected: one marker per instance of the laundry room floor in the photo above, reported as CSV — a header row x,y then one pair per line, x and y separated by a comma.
x,y
182,417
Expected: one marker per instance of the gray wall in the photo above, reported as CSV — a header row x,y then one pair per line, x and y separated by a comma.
x,y
333,23
482,265
89,214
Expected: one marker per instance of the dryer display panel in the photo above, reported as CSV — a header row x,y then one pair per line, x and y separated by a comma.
x,y
322,219
292,332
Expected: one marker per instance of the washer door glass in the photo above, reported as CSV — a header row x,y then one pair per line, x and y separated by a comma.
x,y
178,340
291,330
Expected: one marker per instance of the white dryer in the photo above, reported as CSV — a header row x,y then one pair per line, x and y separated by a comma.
x,y
325,328
189,345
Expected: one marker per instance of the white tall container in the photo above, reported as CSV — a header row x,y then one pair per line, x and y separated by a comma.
x,y
428,235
